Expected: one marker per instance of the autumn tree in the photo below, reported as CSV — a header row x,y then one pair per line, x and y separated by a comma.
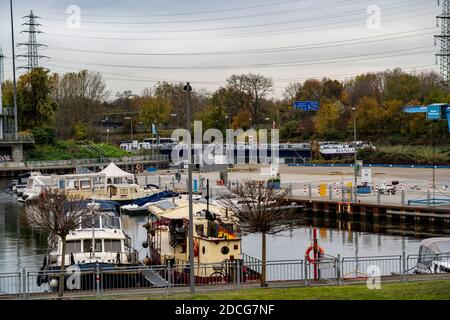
x,y
257,209
35,105
80,97
154,110
327,120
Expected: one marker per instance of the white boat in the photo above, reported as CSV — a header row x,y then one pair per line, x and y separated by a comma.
x,y
99,242
434,256
35,186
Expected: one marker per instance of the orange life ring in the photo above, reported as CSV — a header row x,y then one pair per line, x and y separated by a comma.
x,y
196,248
220,182
308,251
139,167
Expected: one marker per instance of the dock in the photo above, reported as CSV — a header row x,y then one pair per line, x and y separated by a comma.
x,y
373,212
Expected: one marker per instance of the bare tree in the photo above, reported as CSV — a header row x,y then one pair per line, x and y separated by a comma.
x,y
56,213
258,209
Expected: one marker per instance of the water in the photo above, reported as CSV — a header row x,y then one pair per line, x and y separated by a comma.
x,y
21,247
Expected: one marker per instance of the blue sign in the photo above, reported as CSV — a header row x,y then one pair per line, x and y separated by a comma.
x,y
307,105
434,113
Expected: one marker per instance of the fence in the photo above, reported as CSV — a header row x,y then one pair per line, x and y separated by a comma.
x,y
230,275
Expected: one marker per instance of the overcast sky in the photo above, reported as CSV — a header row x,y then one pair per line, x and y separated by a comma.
x,y
135,43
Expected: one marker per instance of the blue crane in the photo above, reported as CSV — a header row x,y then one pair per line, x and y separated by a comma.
x,y
435,112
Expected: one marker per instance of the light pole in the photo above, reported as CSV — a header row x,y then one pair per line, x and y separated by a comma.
x,y
228,117
16,125
356,150
107,136
174,115
188,89
131,138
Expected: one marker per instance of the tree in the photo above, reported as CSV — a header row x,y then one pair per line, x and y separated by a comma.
x,y
213,118
35,105
56,213
311,90
292,92
80,97
242,120
331,89
251,89
154,110
327,120
258,209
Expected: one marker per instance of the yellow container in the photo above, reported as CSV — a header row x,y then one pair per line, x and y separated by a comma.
x,y
323,190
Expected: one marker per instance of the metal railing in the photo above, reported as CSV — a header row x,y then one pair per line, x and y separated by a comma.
x,y
228,275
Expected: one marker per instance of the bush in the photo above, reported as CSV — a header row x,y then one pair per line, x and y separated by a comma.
x,y
44,135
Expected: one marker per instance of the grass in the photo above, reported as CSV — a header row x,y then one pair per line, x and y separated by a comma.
x,y
66,150
436,290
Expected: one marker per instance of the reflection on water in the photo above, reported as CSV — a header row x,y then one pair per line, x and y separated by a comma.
x,y
22,248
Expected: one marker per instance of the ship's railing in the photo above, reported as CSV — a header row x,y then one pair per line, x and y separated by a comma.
x,y
227,275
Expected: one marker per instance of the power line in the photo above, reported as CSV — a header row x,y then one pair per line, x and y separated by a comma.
x,y
266,24
254,15
345,42
268,4
261,65
240,35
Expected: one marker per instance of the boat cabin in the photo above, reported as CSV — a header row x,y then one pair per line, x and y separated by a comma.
x,y
434,256
216,238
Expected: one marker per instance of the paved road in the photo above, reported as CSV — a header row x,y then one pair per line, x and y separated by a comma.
x,y
414,181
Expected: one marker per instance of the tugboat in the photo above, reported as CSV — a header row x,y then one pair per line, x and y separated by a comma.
x,y
217,242
111,252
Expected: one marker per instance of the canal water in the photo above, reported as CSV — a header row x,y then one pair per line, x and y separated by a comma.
x,y
21,247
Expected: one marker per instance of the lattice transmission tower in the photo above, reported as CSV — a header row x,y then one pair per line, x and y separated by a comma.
x,y
444,38
33,57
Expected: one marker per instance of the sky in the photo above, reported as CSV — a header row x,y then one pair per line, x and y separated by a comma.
x,y
135,44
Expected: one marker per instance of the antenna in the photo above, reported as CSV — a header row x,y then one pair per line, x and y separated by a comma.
x,y
32,45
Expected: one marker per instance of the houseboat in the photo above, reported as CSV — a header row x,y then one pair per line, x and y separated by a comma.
x,y
217,242
112,184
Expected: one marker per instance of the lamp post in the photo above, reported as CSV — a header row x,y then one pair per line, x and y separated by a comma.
x,y
188,89
131,138
107,136
228,117
356,150
175,115
16,125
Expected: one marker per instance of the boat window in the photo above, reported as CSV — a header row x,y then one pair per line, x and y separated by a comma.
x,y
87,224
113,245
444,246
200,230
123,192
110,222
87,245
73,246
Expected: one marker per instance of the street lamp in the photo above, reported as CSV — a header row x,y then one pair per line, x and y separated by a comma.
x,y
131,138
175,115
187,88
356,150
